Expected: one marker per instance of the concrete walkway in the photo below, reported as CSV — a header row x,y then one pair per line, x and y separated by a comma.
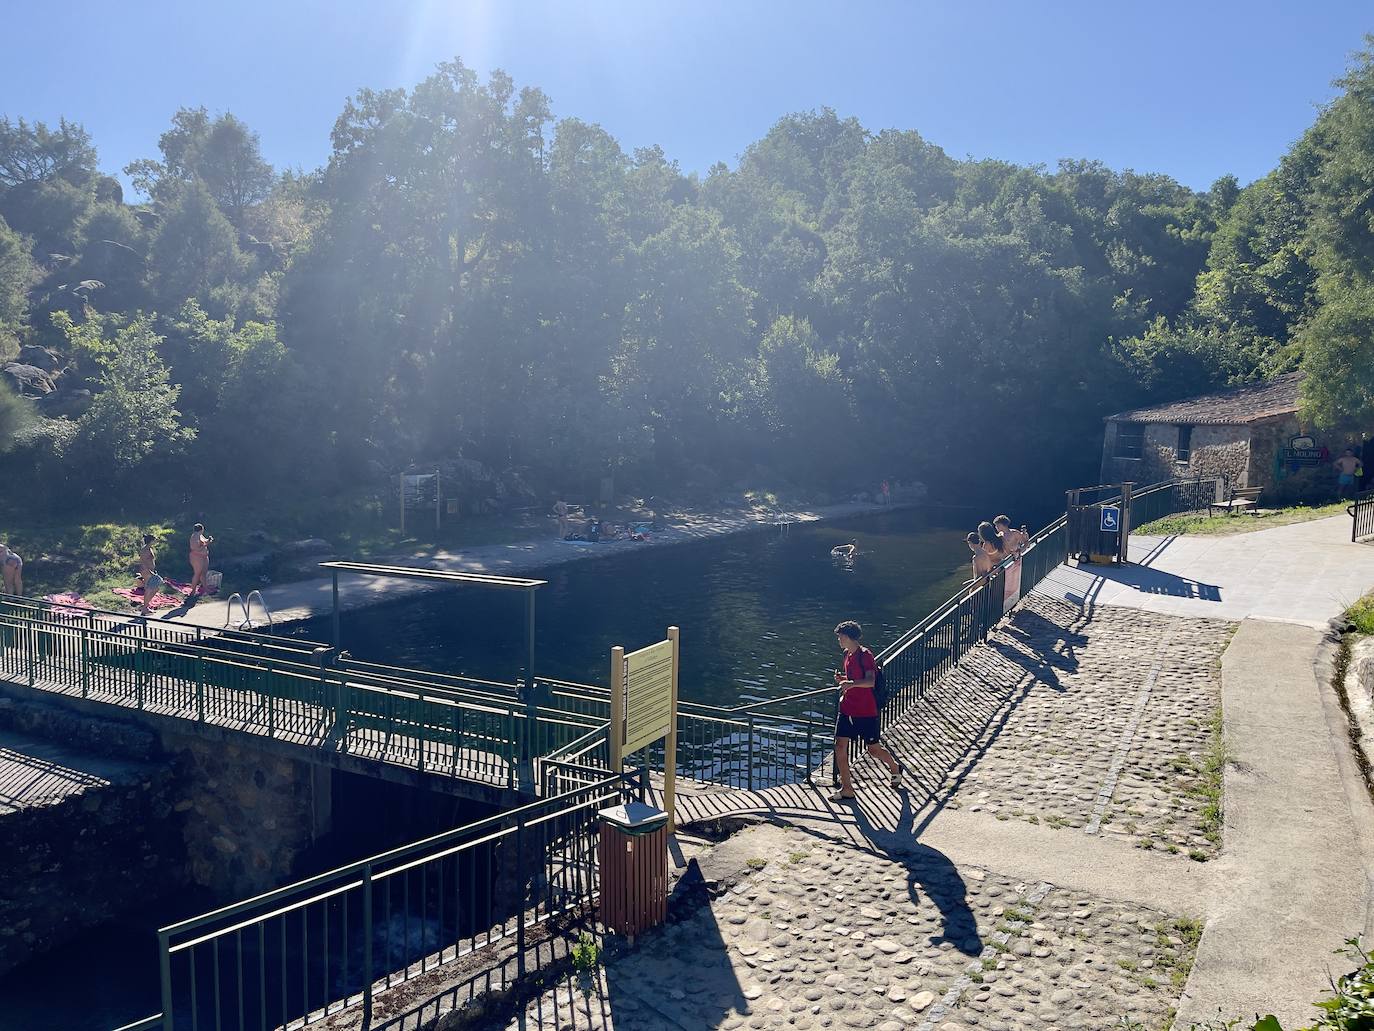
x,y
1304,573
1291,884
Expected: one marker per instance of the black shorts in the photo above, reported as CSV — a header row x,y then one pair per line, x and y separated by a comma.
x,y
858,728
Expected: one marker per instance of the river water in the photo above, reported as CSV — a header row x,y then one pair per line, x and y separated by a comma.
x,y
756,611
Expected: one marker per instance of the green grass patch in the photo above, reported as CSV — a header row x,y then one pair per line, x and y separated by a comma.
x,y
1201,524
1362,614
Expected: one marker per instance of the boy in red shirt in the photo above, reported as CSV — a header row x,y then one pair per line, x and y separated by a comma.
x,y
858,718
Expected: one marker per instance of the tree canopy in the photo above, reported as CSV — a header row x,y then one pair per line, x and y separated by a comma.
x,y
470,276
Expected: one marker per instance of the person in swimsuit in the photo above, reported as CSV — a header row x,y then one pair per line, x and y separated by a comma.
x,y
560,509
200,559
1346,471
1013,542
13,568
982,564
147,573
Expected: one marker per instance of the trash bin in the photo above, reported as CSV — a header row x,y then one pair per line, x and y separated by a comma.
x,y
633,850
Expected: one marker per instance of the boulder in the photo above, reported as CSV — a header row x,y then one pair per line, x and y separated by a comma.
x,y
70,404
44,358
27,379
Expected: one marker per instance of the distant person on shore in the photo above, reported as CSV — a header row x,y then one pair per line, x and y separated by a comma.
x,y
885,494
846,552
858,718
982,563
200,559
1013,542
1348,469
560,509
147,574
12,566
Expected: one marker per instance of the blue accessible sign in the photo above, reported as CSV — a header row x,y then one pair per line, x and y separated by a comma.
x,y
1111,518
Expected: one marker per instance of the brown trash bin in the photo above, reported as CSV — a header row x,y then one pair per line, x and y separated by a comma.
x,y
633,851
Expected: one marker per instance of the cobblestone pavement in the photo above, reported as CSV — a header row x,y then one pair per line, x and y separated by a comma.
x,y
1097,720
823,935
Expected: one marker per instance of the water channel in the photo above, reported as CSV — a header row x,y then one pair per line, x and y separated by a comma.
x,y
756,612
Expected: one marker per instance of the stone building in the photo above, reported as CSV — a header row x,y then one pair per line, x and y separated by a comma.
x,y
1251,435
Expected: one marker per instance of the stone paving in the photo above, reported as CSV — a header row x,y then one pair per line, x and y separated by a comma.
x,y
821,935
1113,736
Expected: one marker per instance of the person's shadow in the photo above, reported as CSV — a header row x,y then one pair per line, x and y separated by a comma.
x,y
928,870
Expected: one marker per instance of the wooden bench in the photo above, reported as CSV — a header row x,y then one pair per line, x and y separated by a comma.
x,y
1240,499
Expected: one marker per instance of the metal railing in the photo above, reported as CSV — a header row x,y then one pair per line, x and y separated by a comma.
x,y
277,688
1362,517
294,956
1168,498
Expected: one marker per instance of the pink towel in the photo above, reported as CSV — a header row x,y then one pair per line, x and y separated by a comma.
x,y
68,605
163,600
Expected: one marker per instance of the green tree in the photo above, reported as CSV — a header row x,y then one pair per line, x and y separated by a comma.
x,y
17,274
35,153
195,255
1338,356
134,416
223,153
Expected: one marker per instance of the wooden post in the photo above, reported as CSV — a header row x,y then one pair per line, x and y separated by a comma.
x,y
670,746
617,706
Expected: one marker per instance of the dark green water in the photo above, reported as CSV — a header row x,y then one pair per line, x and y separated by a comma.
x,y
756,609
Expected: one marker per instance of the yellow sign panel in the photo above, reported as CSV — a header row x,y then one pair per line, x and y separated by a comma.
x,y
648,696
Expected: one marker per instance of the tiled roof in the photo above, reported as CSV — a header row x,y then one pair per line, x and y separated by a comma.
x,y
1250,403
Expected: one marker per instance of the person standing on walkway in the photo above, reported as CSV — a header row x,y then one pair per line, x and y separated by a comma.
x,y
12,567
982,563
200,560
858,717
1013,543
1347,470
147,573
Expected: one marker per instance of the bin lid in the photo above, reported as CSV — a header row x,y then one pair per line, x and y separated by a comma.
x,y
634,816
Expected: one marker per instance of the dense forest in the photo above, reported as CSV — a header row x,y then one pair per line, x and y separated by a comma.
x,y
469,277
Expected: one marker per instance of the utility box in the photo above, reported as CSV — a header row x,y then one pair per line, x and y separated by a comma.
x,y
633,851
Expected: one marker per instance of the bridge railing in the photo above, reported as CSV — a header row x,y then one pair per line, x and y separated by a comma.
x,y
293,956
1361,511
437,725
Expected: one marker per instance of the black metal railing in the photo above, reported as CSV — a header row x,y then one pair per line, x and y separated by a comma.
x,y
1170,498
293,956
1362,516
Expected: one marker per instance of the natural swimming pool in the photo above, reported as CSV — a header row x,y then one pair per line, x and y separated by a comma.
x,y
756,609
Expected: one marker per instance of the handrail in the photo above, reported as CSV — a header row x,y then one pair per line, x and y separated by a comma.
x,y
248,607
229,611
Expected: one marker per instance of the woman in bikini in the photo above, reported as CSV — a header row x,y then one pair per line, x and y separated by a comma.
x,y
200,560
982,563
990,541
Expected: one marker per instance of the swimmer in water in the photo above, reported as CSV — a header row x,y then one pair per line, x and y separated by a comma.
x,y
845,551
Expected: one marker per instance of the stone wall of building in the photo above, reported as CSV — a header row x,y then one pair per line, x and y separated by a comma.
x,y
1214,451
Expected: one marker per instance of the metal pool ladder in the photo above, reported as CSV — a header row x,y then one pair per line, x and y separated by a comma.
x,y
246,609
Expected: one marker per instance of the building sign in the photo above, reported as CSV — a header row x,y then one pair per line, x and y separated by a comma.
x,y
1302,450
1111,519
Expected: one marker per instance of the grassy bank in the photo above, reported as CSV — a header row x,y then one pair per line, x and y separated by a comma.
x,y
1201,524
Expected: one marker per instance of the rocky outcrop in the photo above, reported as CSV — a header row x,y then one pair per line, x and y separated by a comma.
x,y
28,380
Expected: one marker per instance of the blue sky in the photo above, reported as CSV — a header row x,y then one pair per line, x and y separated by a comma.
x,y
1194,89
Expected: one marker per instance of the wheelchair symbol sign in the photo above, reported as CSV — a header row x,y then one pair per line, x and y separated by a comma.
x,y
1111,519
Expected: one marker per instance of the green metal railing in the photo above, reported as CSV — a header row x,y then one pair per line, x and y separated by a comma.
x,y
293,956
284,689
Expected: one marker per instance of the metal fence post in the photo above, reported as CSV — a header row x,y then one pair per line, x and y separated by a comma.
x,y
367,946
85,661
138,667
751,752
200,688
520,904
164,958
